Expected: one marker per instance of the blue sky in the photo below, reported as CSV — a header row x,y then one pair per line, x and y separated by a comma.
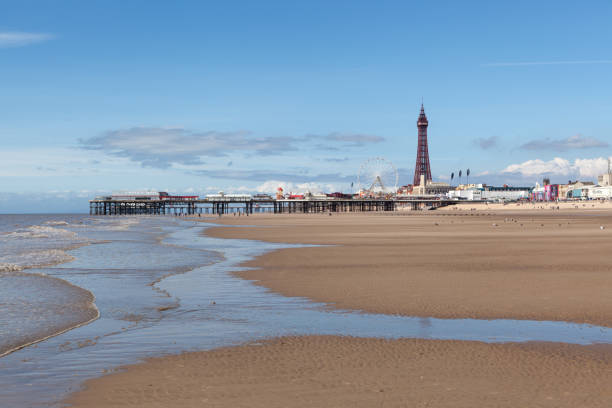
x,y
199,96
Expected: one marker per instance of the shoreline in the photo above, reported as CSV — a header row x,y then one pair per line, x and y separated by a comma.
x,y
92,306
24,271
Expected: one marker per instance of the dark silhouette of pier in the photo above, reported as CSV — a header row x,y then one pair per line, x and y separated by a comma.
x,y
251,206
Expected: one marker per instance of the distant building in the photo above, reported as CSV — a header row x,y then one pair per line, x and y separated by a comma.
x,y
472,194
405,190
605,179
574,190
477,192
547,192
600,192
427,188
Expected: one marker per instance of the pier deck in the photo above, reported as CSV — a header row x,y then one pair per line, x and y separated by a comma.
x,y
250,206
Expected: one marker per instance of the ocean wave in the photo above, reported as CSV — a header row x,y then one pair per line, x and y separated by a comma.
x,y
39,231
33,259
9,267
115,224
55,222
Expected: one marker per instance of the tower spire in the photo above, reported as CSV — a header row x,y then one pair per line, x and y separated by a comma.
x,y
422,167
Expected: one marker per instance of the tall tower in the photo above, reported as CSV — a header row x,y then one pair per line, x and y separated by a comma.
x,y
422,167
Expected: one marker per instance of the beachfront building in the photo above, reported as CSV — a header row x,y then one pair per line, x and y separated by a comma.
x,y
547,192
575,190
429,188
600,192
471,194
505,193
477,192
605,179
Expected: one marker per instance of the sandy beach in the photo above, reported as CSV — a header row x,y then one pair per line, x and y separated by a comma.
x,y
538,264
353,372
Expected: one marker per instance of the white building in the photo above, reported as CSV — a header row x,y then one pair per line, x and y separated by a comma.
x,y
600,192
488,193
605,179
428,187
469,195
505,195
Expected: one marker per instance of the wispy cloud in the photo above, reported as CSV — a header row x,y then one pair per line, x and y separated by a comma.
x,y
355,139
335,159
487,143
332,141
20,39
534,63
264,175
561,145
162,147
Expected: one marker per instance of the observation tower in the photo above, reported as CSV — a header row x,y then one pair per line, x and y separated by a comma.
x,y
422,167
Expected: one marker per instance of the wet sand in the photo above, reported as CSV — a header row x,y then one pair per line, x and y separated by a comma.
x,y
535,265
47,307
525,265
352,372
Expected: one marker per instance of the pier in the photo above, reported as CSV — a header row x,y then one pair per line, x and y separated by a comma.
x,y
191,206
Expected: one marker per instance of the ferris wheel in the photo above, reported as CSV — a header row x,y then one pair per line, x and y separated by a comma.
x,y
377,176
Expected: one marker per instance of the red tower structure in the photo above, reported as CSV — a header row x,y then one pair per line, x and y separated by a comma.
x,y
422,167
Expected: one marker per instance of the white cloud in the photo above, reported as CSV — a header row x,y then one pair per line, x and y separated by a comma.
x,y
590,168
20,39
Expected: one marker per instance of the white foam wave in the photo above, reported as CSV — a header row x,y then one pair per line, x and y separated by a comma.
x,y
40,231
117,225
33,259
55,223
8,267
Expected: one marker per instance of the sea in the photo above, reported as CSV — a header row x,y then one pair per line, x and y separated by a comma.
x,y
81,296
